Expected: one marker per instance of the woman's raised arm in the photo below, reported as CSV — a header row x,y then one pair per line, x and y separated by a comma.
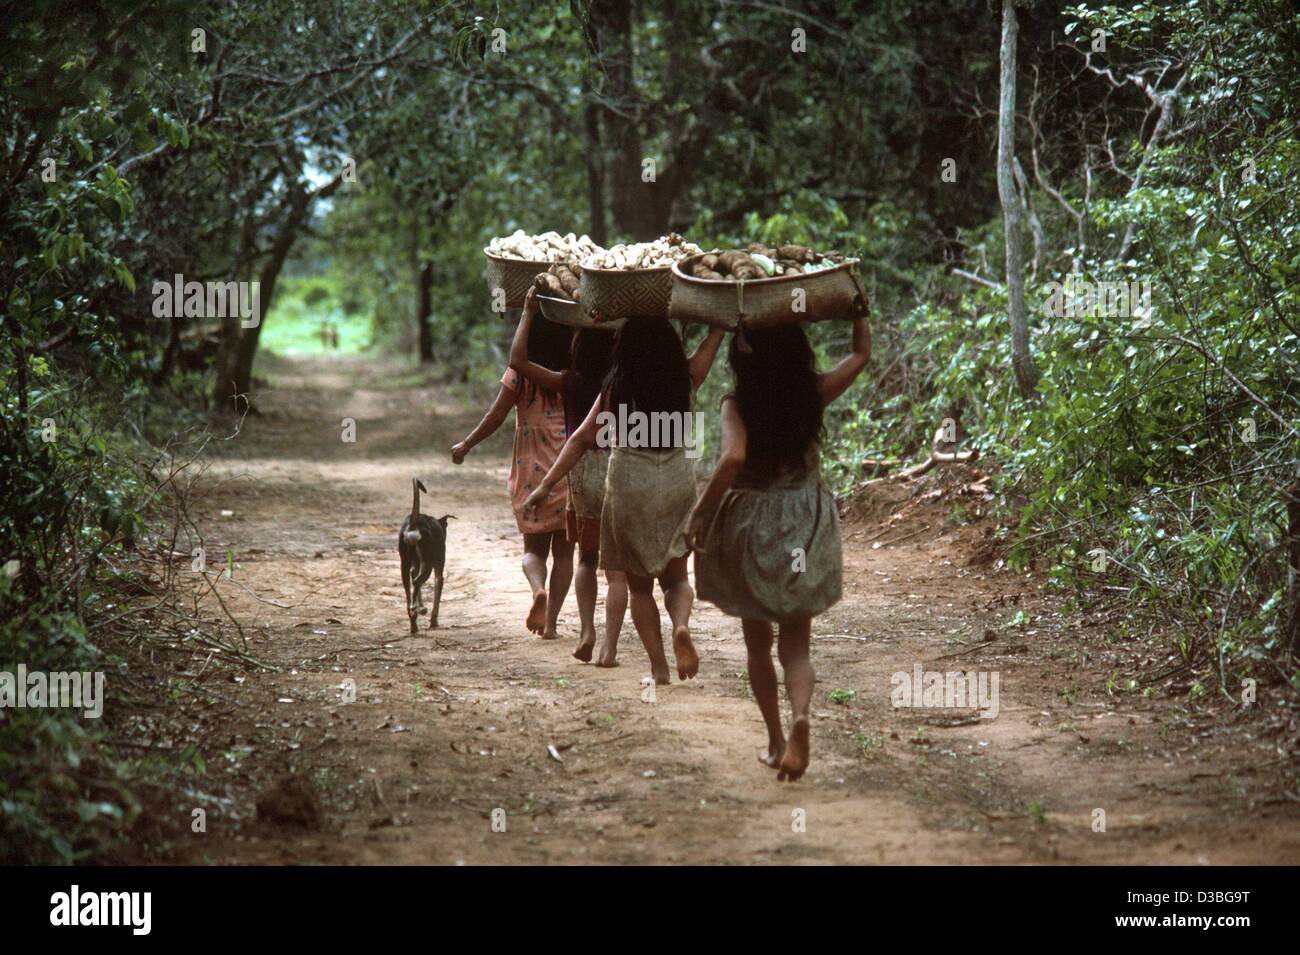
x,y
831,384
539,375
702,360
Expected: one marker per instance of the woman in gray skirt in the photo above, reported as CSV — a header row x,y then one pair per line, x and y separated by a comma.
x,y
765,532
645,415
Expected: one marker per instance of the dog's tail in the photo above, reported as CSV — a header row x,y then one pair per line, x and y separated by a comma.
x,y
413,528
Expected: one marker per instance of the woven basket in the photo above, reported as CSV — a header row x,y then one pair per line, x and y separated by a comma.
x,y
626,293
513,275
563,312
830,294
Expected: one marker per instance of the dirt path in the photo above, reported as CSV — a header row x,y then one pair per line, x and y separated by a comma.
x,y
450,725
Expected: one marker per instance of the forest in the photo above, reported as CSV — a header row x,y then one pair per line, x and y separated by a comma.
x,y
1078,226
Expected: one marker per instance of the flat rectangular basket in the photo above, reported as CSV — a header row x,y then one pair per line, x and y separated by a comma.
x,y
826,295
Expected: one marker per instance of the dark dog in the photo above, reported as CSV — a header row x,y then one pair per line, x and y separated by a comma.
x,y
422,545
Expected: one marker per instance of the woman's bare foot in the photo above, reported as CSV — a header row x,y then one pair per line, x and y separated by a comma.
x,y
550,633
795,761
775,750
688,661
585,647
606,656
661,674
536,619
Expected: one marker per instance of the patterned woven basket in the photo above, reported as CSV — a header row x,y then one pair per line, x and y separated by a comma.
x,y
514,276
830,294
626,293
563,312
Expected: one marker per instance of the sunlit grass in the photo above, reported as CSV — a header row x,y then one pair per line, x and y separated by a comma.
x,y
301,307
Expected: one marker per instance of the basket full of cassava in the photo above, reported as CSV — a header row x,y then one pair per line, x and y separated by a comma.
x,y
558,294
765,286
513,261
632,281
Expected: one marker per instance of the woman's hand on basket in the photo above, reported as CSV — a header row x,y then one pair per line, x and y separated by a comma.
x,y
530,301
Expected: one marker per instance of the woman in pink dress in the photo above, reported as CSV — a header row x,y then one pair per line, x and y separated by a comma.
x,y
539,435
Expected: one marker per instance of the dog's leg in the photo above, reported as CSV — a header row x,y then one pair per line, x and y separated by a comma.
x,y
418,585
406,585
437,600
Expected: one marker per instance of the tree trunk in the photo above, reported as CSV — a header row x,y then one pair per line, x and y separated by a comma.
x,y
223,363
238,382
170,351
1023,364
1292,496
595,172
617,164
423,308
639,209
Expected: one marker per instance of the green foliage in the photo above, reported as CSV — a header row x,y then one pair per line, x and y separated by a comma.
x,y
73,501
1139,443
70,513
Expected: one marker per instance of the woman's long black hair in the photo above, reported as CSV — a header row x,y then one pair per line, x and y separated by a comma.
x,y
776,392
592,356
548,344
649,371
